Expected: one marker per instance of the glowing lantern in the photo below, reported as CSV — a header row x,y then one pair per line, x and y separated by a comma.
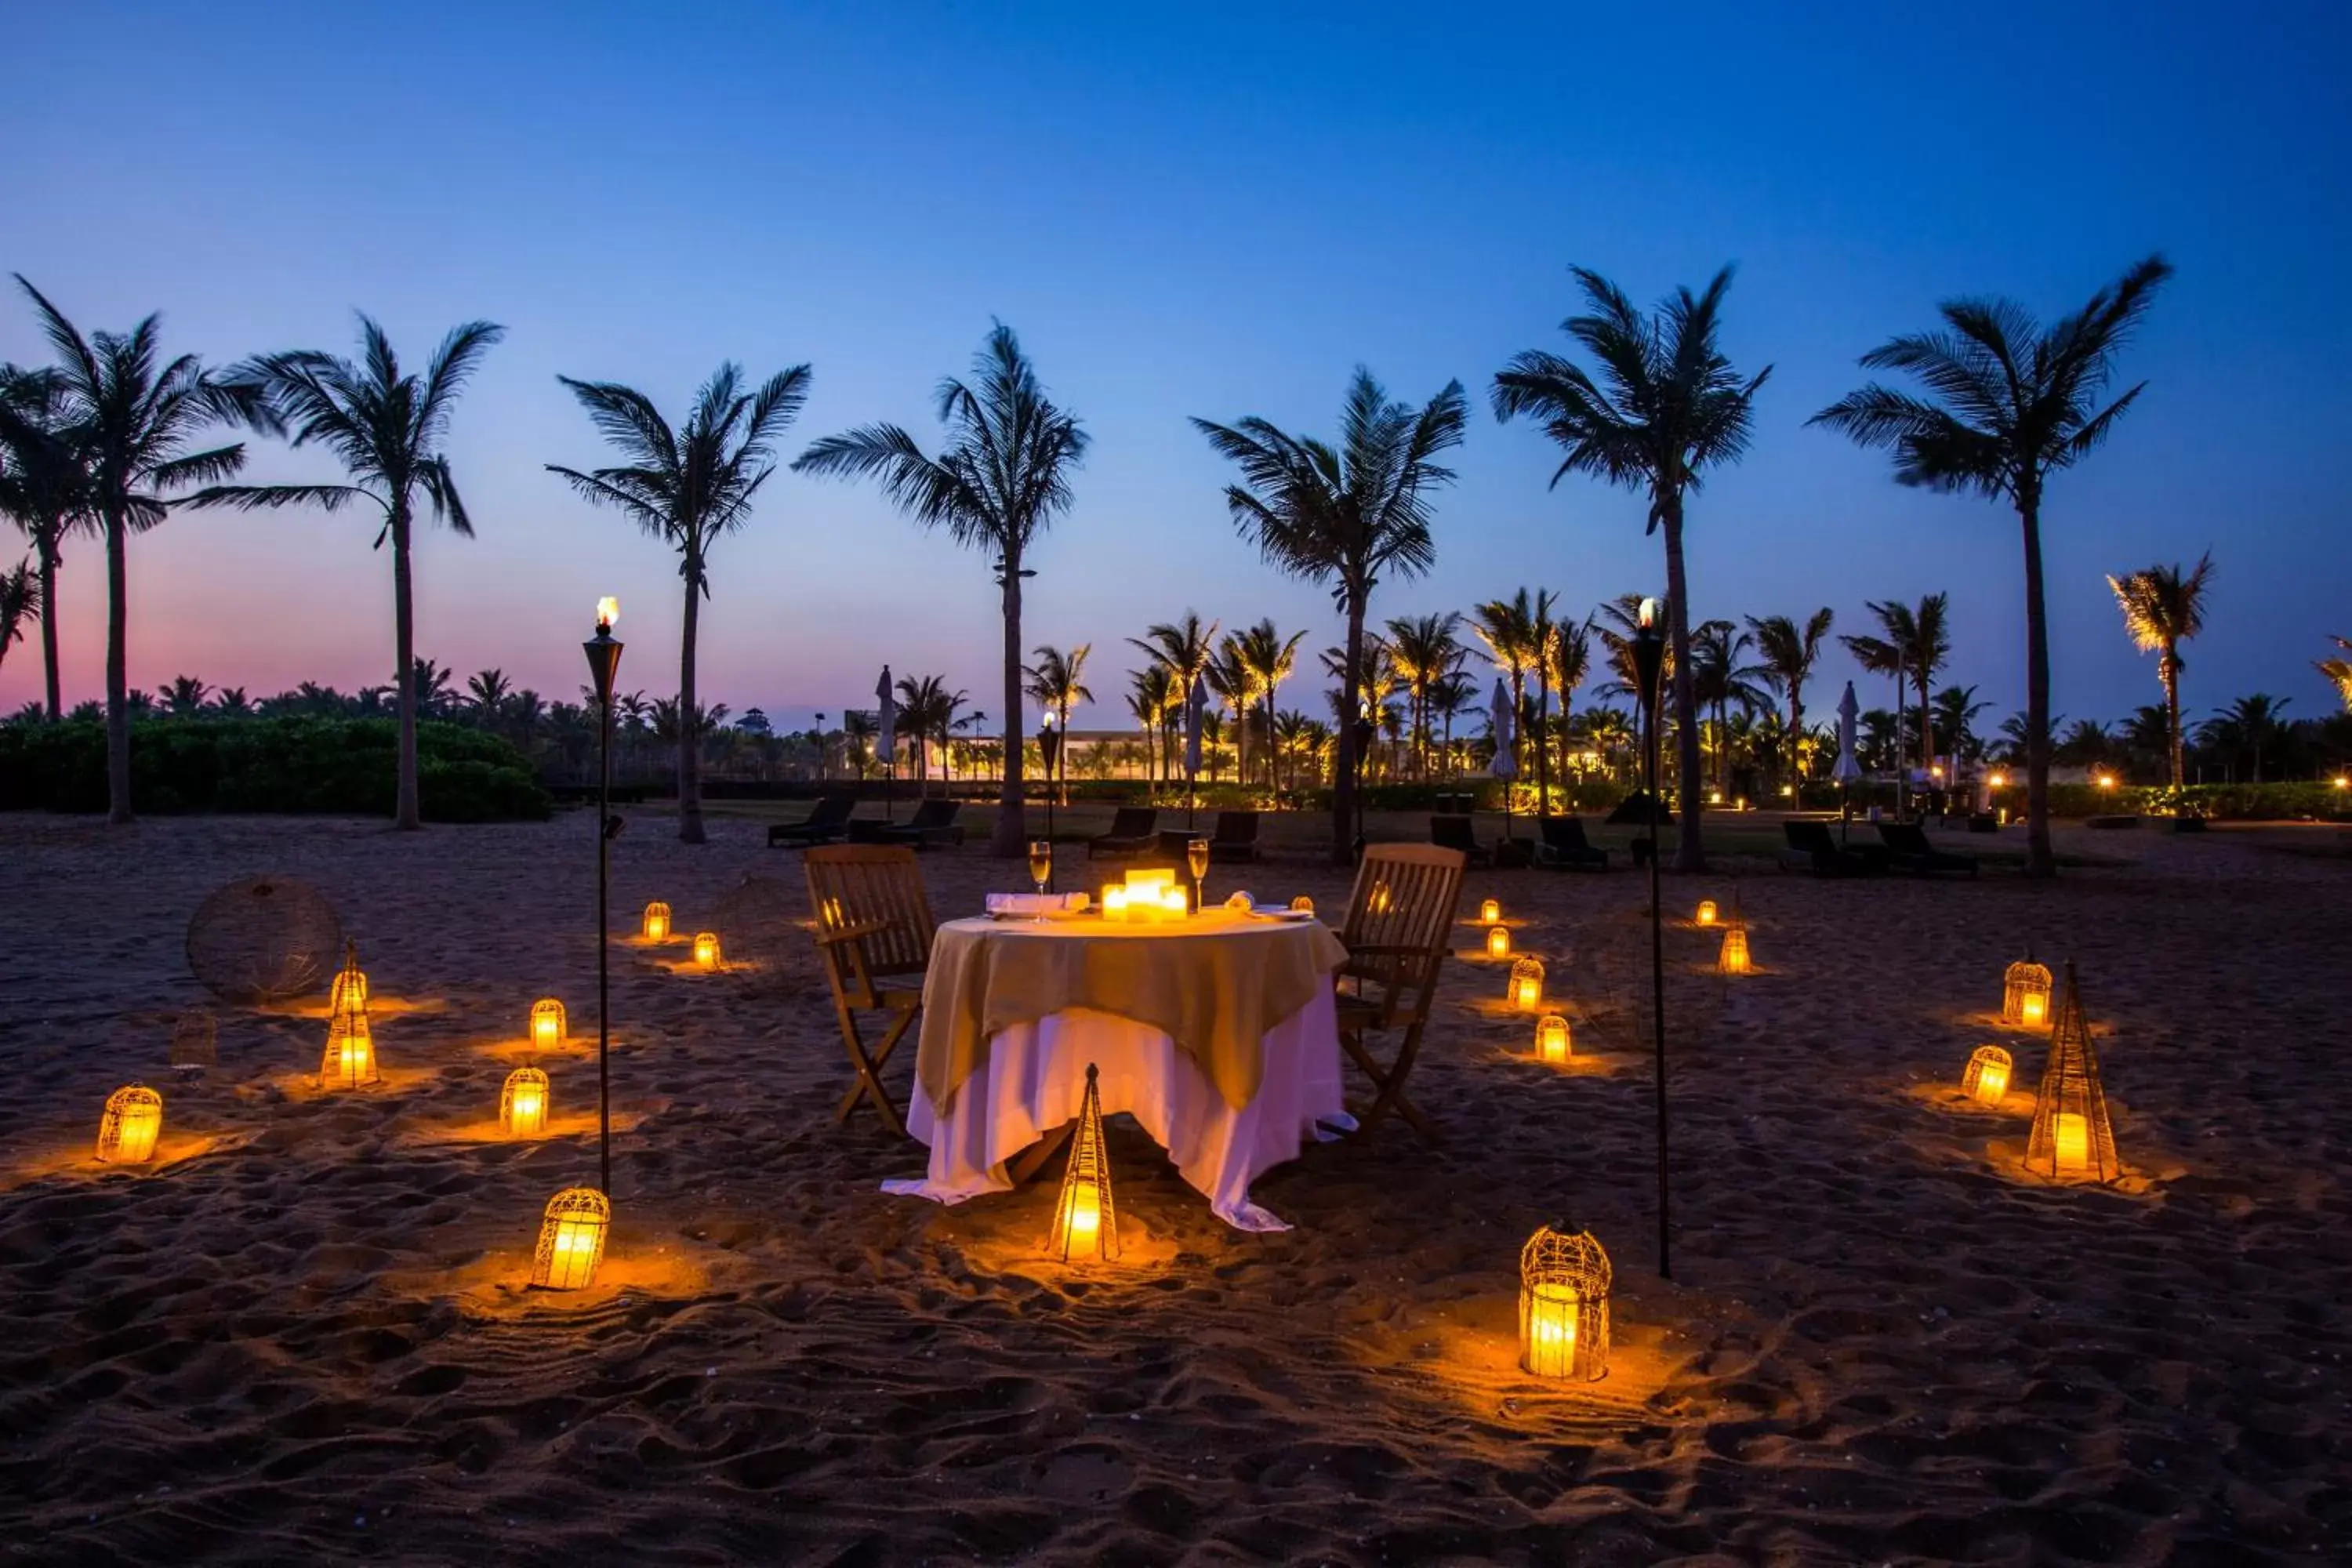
x,y
571,1239
349,988
1498,941
1733,958
1490,911
1707,913
350,1061
2072,1140
128,1130
547,1023
1303,904
1084,1219
2025,994
706,950
1564,1281
1987,1080
1526,985
523,1103
656,926
1552,1043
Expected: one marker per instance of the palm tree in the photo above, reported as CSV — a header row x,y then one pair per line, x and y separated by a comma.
x,y
1569,665
1508,628
1152,695
1451,694
487,692
1057,682
685,487
2249,724
1721,680
1788,653
1667,408
1345,516
1185,647
386,429
996,487
1266,657
1954,715
131,418
184,697
43,490
2338,671
1917,644
2164,607
1425,649
1233,684
20,597
2008,404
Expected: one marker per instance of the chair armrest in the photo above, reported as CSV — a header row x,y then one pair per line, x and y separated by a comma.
x,y
1386,950
857,932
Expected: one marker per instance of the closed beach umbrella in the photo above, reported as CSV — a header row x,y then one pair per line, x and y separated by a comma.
x,y
886,715
1848,767
1503,766
1195,701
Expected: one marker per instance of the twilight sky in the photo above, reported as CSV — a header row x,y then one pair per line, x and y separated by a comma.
x,y
1212,210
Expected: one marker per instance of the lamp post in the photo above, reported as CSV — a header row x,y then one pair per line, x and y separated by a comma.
x,y
603,652
1049,747
1649,659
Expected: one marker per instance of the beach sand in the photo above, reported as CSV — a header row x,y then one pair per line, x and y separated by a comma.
x,y
301,1334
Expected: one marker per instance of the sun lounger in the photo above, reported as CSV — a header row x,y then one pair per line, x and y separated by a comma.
x,y
933,823
828,821
1813,849
1907,849
1235,838
1564,846
1454,833
1130,833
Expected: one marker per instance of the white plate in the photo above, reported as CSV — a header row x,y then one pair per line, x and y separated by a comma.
x,y
1280,912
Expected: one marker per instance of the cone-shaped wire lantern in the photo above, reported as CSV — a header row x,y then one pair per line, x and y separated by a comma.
x,y
1085,1219
1564,1283
133,1119
2072,1140
656,923
523,1103
2025,994
1526,985
571,1239
547,1023
350,1061
1987,1079
350,987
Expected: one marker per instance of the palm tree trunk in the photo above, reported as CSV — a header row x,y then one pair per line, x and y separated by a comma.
x,y
407,813
1690,852
1010,838
689,717
1927,726
2169,669
1796,736
118,692
1343,788
49,626
1543,739
2039,859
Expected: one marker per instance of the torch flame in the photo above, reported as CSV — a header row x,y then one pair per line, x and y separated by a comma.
x,y
1649,613
608,610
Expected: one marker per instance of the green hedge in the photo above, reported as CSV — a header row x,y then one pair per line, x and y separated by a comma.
x,y
339,766
2310,799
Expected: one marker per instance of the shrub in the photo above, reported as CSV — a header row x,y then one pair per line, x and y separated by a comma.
x,y
341,766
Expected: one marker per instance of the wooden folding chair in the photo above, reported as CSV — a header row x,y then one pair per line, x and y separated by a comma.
x,y
1399,926
874,932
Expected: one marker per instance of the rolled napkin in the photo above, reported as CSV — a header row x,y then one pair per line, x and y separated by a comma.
x,y
1241,904
1035,903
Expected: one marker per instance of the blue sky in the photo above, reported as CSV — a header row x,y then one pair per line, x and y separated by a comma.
x,y
1210,210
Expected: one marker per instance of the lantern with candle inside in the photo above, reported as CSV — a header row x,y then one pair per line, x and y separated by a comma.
x,y
2025,994
1526,985
706,950
571,1239
1553,1041
1707,913
1732,959
132,1121
1987,1080
350,987
547,1023
2072,1140
1498,941
523,1103
656,923
1490,912
350,1060
1564,1281
1114,904
1086,1221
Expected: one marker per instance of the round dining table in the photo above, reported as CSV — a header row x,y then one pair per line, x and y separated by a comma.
x,y
1216,1032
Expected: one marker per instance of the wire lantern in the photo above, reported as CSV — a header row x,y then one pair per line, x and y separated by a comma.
x,y
547,1023
350,1061
262,939
571,1239
133,1119
2025,994
1732,957
1986,1081
1564,1284
195,1041
523,1103
1085,1220
2072,1140
1554,1042
1498,941
1526,985
656,927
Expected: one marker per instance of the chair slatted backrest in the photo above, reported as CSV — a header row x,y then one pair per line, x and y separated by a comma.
x,y
876,885
1400,922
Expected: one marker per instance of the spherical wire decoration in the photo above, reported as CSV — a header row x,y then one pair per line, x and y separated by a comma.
x,y
264,939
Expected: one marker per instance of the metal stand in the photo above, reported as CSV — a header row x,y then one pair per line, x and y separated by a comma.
x,y
1649,657
603,653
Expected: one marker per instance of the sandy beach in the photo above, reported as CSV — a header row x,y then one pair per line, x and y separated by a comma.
x,y
301,1332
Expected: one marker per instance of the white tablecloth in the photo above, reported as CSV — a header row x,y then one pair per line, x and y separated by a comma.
x,y
1036,1079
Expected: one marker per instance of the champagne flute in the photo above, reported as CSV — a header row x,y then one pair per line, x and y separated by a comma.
x,y
1041,865
1196,857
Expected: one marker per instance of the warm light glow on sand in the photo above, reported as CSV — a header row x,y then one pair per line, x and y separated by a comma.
x,y
547,1023
1498,941
1490,911
1552,1039
133,1122
706,950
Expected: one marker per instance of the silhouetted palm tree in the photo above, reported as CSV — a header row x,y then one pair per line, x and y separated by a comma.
x,y
1917,644
686,486
1266,658
386,429
2008,404
1508,628
2251,724
1720,679
1668,407
998,484
2338,671
1345,516
1426,649
131,418
20,598
1955,714
1788,653
1058,684
2163,607
44,490
184,697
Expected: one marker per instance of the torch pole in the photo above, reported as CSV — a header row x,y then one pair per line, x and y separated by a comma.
x,y
603,948
1649,655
